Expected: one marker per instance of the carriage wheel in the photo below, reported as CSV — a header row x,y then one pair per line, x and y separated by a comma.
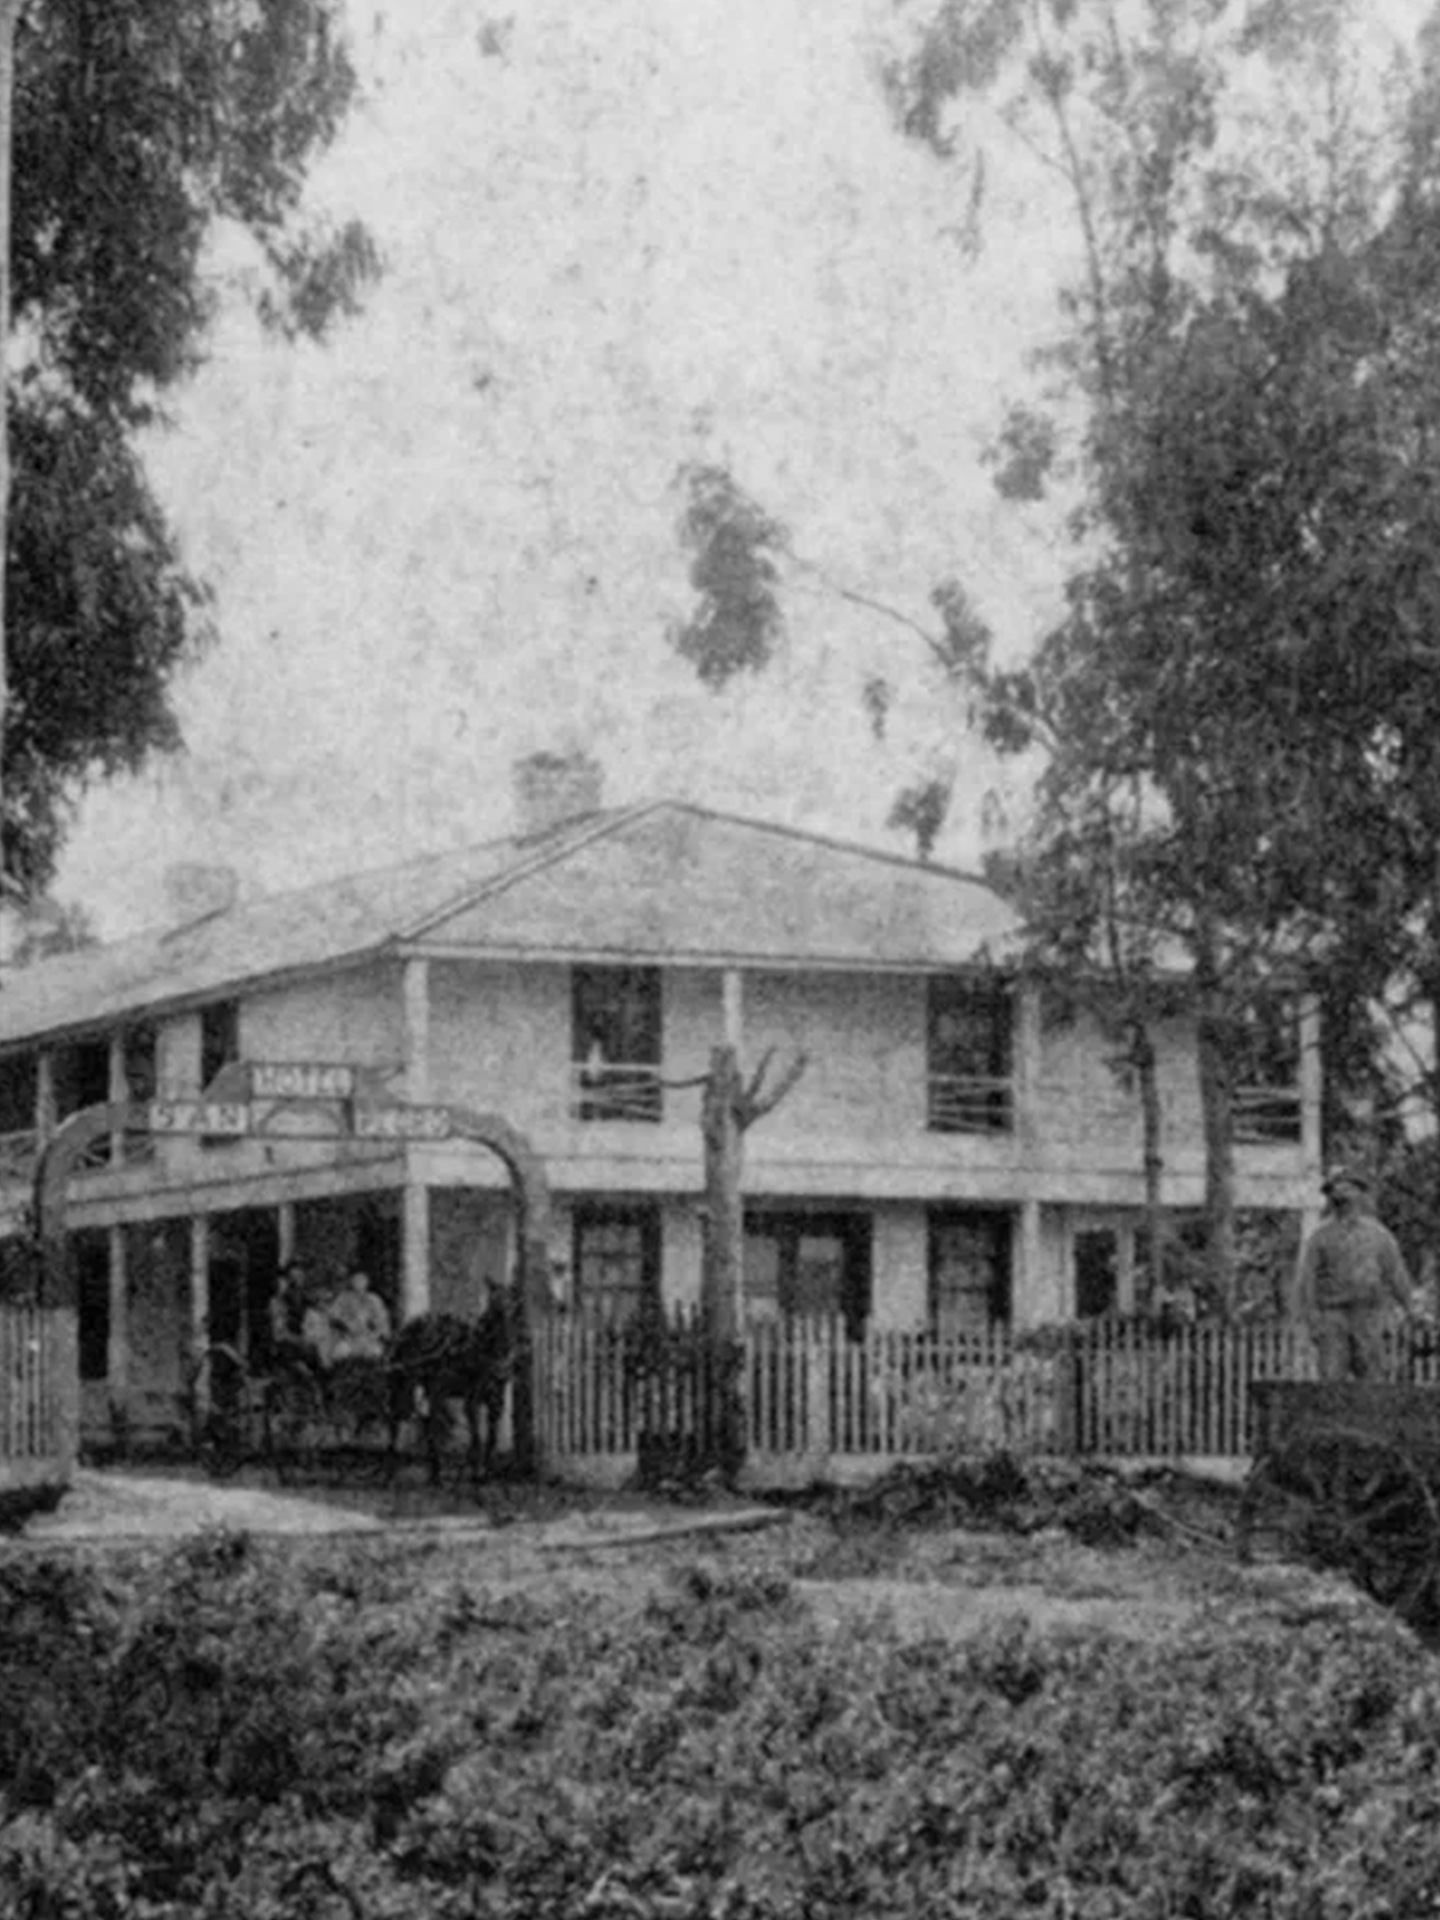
x,y
220,1399
1345,1500
294,1418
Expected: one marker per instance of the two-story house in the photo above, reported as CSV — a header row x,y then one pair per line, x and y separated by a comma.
x,y
953,1153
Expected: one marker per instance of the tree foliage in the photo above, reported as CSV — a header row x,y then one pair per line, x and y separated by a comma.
x,y
140,135
736,622
1240,699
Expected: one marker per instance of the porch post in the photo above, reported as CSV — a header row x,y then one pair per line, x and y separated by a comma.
x,y
1027,1061
732,991
117,1092
285,1231
199,1284
1031,1305
117,1356
45,1094
415,1242
416,1014
415,1237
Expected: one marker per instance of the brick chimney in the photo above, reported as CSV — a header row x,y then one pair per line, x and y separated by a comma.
x,y
552,788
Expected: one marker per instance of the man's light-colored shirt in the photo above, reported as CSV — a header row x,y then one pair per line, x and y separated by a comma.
x,y
1352,1262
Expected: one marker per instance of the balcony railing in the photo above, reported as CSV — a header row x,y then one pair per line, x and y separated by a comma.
x,y
19,1152
1266,1115
970,1103
617,1090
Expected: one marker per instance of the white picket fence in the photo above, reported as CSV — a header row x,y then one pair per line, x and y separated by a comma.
x,y
39,1395
819,1403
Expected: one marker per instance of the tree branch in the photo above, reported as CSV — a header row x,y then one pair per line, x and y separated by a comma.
x,y
752,1106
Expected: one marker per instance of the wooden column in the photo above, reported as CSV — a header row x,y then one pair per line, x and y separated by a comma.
x,y
1027,1063
117,1358
732,993
45,1094
415,1237
415,1241
1031,1304
117,1092
199,1282
285,1231
416,1012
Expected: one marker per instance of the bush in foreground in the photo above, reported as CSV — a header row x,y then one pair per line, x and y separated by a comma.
x,y
242,1733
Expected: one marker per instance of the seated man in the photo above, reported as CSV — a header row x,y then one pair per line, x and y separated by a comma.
x,y
359,1322
296,1335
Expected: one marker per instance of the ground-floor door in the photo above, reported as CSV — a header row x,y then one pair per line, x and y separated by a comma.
x,y
810,1265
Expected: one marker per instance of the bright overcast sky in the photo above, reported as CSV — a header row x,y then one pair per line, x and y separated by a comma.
x,y
619,236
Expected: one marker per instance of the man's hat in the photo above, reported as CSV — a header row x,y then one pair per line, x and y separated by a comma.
x,y
1341,1175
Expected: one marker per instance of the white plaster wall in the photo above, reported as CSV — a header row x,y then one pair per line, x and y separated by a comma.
x,y
353,1016
864,1080
1081,1099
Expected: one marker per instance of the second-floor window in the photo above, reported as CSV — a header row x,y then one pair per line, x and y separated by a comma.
x,y
1267,1072
138,1047
219,1038
81,1076
219,1046
19,1092
970,1055
616,1043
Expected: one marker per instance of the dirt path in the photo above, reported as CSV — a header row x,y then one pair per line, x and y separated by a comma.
x,y
950,1582
101,1506
122,1506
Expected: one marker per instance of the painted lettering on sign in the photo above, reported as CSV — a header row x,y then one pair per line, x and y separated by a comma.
x,y
300,1080
402,1123
198,1116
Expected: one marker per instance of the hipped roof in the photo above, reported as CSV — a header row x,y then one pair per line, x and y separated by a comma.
x,y
666,883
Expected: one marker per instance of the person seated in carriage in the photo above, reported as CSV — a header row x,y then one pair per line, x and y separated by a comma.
x,y
358,1322
299,1325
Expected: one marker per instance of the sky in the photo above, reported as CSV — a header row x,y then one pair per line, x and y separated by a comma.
x,y
618,238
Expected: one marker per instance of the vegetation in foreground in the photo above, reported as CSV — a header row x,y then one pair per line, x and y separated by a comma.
x,y
239,1729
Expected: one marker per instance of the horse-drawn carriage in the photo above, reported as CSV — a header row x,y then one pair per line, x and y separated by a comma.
x,y
1346,1474
298,1415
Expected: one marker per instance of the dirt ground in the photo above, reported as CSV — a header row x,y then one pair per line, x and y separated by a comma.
x,y
942,1580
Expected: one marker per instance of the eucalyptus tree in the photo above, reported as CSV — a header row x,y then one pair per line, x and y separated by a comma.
x,y
133,137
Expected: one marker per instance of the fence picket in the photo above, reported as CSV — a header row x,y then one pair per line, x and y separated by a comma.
x,y
813,1394
39,1388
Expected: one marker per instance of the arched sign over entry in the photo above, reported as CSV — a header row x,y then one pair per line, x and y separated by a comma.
x,y
334,1109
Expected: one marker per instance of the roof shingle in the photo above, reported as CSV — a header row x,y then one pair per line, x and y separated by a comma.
x,y
665,880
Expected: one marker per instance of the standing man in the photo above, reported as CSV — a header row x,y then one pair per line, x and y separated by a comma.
x,y
1352,1280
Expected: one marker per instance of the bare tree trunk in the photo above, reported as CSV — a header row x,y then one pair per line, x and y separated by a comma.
x,y
9,14
724,1213
1142,1052
723,1250
1217,1104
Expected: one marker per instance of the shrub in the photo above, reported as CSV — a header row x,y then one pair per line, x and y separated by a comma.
x,y
236,1733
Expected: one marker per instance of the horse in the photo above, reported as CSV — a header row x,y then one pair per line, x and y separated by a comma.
x,y
438,1357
